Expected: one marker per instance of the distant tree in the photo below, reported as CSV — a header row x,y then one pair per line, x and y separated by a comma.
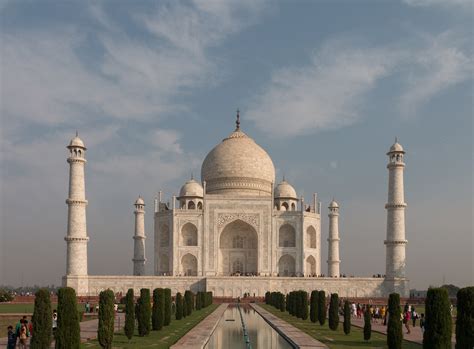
x,y
158,311
367,324
465,318
321,307
438,325
347,317
42,320
129,327
394,325
68,334
304,305
313,310
334,312
144,314
167,306
105,331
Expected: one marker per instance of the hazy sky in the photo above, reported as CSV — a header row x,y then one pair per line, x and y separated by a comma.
x,y
323,86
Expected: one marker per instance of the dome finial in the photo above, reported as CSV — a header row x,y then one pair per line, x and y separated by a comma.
x,y
237,122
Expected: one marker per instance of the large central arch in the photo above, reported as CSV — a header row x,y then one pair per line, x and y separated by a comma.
x,y
238,249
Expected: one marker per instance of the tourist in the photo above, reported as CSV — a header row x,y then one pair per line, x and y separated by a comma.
x,y
55,322
11,338
406,321
422,323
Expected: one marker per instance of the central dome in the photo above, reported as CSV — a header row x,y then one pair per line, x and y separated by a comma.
x,y
238,166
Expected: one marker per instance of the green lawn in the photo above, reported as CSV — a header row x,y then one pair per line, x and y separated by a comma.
x,y
159,339
337,339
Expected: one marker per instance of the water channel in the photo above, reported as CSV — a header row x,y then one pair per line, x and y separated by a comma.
x,y
229,332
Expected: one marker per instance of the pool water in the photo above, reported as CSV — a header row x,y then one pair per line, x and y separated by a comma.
x,y
229,331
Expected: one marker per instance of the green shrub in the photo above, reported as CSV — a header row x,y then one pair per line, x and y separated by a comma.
x,y
105,331
334,312
129,327
394,325
367,324
465,318
179,306
42,320
144,313
68,333
321,307
168,303
313,310
438,325
347,317
158,311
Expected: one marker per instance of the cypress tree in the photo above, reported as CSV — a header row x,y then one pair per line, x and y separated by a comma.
x,y
347,317
188,303
144,314
105,331
42,321
465,318
129,327
304,305
334,312
438,324
367,324
198,301
394,325
179,306
158,311
313,310
321,307
167,306
68,334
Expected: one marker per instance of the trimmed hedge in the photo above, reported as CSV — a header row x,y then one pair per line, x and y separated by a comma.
x,y
42,321
394,325
438,323
465,318
129,327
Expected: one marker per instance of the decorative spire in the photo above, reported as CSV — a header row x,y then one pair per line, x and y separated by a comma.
x,y
237,122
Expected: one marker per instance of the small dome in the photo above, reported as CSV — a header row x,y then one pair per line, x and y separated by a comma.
x,y
333,204
396,147
191,188
139,201
76,142
285,190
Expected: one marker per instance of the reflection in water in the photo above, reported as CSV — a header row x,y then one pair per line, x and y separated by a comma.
x,y
229,334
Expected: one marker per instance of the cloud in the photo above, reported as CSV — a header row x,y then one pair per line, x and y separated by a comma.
x,y
333,90
325,94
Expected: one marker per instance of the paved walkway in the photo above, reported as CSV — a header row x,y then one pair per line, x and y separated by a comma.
x,y
200,334
296,337
88,330
415,332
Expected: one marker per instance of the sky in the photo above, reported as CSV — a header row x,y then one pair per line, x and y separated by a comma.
x,y
152,86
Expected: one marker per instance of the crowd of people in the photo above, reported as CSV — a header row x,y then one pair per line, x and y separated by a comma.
x,y
408,316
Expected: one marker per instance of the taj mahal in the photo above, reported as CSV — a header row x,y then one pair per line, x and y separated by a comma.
x,y
237,232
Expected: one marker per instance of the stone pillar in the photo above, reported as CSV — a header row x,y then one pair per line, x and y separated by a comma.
x,y
333,240
76,238
395,242
139,238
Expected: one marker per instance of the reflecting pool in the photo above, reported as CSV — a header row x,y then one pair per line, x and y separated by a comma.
x,y
229,331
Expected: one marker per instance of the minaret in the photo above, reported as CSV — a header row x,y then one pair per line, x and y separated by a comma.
x,y
395,243
333,240
76,238
139,238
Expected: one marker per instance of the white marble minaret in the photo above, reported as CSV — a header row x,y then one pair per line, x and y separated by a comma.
x,y
139,238
76,237
395,242
333,240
